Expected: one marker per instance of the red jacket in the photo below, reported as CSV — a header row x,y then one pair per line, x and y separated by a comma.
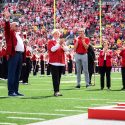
x,y
108,59
1,54
11,41
41,57
28,54
34,58
122,54
4,52
57,56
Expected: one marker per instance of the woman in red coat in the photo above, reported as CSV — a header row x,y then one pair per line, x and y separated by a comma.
x,y
56,51
105,65
122,54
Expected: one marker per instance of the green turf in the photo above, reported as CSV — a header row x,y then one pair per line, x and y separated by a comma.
x,y
39,98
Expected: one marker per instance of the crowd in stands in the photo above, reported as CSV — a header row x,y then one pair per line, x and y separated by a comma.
x,y
36,23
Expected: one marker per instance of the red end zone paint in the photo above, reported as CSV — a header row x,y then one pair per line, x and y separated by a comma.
x,y
107,112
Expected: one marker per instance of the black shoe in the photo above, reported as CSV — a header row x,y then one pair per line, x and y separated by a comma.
x,y
19,94
87,85
57,94
12,94
78,86
102,88
123,89
109,88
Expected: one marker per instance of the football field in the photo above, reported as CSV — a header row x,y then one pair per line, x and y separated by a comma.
x,y
39,104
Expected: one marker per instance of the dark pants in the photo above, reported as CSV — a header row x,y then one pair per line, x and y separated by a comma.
x,y
5,67
56,72
70,66
123,76
42,67
34,68
26,70
1,67
90,77
48,69
14,70
105,70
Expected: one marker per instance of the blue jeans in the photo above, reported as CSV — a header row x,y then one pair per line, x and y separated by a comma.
x,y
14,70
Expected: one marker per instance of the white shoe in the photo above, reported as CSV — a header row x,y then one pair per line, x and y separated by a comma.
x,y
25,83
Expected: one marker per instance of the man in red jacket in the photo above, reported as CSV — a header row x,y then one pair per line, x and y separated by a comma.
x,y
15,50
122,54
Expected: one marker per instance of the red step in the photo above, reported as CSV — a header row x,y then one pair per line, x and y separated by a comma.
x,y
121,104
107,112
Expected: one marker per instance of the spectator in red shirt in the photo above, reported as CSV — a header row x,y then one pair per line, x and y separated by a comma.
x,y
122,54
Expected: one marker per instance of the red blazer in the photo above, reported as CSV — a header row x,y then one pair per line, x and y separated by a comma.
x,y
108,59
33,57
28,54
1,54
57,56
122,54
4,52
11,41
41,57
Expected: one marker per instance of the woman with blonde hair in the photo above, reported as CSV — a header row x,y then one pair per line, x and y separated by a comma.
x,y
105,65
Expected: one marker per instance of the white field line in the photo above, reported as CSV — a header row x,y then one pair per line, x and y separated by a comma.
x,y
4,123
81,107
31,113
81,99
114,102
81,119
99,105
37,89
1,87
25,118
50,84
69,77
63,110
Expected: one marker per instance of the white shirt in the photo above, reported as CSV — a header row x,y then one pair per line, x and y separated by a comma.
x,y
20,45
105,56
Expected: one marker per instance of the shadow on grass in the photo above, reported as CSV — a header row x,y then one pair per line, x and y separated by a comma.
x,y
37,97
94,90
118,90
4,97
69,89
113,90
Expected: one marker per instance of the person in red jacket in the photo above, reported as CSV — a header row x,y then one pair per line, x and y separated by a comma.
x,y
56,51
34,62
16,51
105,65
1,60
122,54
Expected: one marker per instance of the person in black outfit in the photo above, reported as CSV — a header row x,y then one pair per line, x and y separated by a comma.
x,y
91,64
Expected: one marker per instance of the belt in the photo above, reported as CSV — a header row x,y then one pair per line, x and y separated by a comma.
x,y
19,52
81,53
